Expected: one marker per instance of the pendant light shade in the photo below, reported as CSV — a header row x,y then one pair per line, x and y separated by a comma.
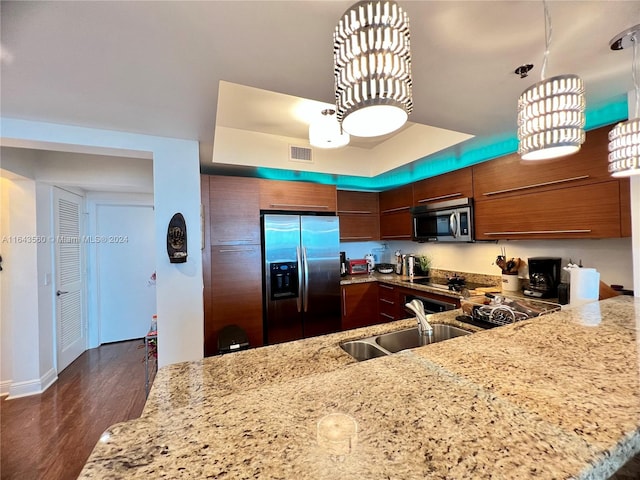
x,y
551,118
551,113
326,132
372,61
624,139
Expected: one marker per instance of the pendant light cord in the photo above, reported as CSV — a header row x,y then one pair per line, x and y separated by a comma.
x,y
548,30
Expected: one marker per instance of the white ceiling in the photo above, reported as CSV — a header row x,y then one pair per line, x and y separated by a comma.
x,y
155,67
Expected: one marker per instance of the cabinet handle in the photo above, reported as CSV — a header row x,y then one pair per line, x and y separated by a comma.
x,y
356,238
387,301
399,209
537,232
535,185
344,303
396,236
440,197
236,240
355,212
390,317
289,205
231,250
382,285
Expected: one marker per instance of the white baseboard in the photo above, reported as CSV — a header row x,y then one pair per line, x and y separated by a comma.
x,y
4,388
32,387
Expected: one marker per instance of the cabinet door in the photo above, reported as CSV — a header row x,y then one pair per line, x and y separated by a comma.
x,y
234,204
449,186
297,196
396,200
359,305
396,226
236,293
511,176
587,211
625,207
358,212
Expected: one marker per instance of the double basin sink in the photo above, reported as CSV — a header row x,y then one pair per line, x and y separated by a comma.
x,y
393,342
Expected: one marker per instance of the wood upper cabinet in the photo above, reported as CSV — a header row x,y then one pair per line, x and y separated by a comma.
x,y
297,196
584,211
395,214
625,207
509,176
234,210
359,216
449,186
359,305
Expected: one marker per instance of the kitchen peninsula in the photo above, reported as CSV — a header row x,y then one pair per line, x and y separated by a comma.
x,y
553,397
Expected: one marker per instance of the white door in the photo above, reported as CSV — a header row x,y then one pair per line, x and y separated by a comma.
x,y
70,319
125,263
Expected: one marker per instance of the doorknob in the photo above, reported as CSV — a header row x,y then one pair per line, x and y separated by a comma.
x,y
60,292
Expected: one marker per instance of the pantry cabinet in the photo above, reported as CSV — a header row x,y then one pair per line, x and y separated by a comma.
x,y
395,213
297,196
359,216
449,186
231,231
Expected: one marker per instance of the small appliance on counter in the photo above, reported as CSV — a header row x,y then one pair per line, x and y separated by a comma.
x,y
544,277
357,267
343,264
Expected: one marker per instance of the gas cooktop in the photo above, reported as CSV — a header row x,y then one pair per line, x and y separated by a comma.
x,y
456,285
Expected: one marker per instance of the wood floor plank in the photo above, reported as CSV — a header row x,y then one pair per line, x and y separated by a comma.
x,y
50,436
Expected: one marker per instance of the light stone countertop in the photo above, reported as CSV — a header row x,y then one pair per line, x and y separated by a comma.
x,y
546,398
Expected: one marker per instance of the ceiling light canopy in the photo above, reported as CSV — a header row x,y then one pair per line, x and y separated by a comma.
x,y
373,68
326,132
624,139
551,113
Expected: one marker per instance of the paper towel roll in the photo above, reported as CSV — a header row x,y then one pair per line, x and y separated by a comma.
x,y
585,285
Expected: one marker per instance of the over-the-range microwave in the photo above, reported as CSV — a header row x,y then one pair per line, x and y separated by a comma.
x,y
448,221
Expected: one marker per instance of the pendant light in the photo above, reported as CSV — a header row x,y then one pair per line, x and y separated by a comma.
x,y
624,139
551,112
326,131
372,66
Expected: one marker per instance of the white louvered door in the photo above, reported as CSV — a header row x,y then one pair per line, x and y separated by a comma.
x,y
70,321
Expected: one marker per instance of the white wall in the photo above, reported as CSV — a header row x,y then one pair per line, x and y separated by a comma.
x,y
176,186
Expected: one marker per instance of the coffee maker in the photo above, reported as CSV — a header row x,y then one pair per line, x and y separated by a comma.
x,y
544,277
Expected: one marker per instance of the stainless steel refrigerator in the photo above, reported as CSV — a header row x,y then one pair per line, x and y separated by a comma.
x,y
301,276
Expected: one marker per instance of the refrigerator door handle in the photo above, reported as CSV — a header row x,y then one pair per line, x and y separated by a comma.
x,y
306,277
299,299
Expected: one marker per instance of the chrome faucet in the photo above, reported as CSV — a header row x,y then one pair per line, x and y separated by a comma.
x,y
425,330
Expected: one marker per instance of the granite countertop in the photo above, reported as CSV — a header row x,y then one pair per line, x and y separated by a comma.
x,y
553,397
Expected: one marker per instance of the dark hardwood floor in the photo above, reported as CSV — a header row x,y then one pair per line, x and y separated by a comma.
x,y
50,436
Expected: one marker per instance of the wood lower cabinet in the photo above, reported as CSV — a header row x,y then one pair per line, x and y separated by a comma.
x,y
390,305
359,305
449,186
359,216
586,211
297,196
236,293
395,213
625,207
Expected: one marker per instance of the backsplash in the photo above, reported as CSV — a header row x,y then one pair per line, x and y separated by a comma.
x,y
611,257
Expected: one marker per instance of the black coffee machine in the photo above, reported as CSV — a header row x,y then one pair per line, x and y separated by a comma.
x,y
544,277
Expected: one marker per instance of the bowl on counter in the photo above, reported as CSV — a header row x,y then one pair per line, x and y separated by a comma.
x,y
385,268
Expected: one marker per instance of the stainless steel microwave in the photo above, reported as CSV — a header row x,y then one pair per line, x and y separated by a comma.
x,y
449,221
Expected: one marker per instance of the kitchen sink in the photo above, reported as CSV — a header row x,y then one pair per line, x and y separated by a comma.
x,y
363,350
389,343
409,338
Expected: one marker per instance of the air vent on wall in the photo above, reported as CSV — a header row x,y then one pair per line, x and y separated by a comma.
x,y
300,154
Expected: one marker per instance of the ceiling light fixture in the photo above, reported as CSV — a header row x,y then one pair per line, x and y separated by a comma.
x,y
624,139
372,59
551,113
326,132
